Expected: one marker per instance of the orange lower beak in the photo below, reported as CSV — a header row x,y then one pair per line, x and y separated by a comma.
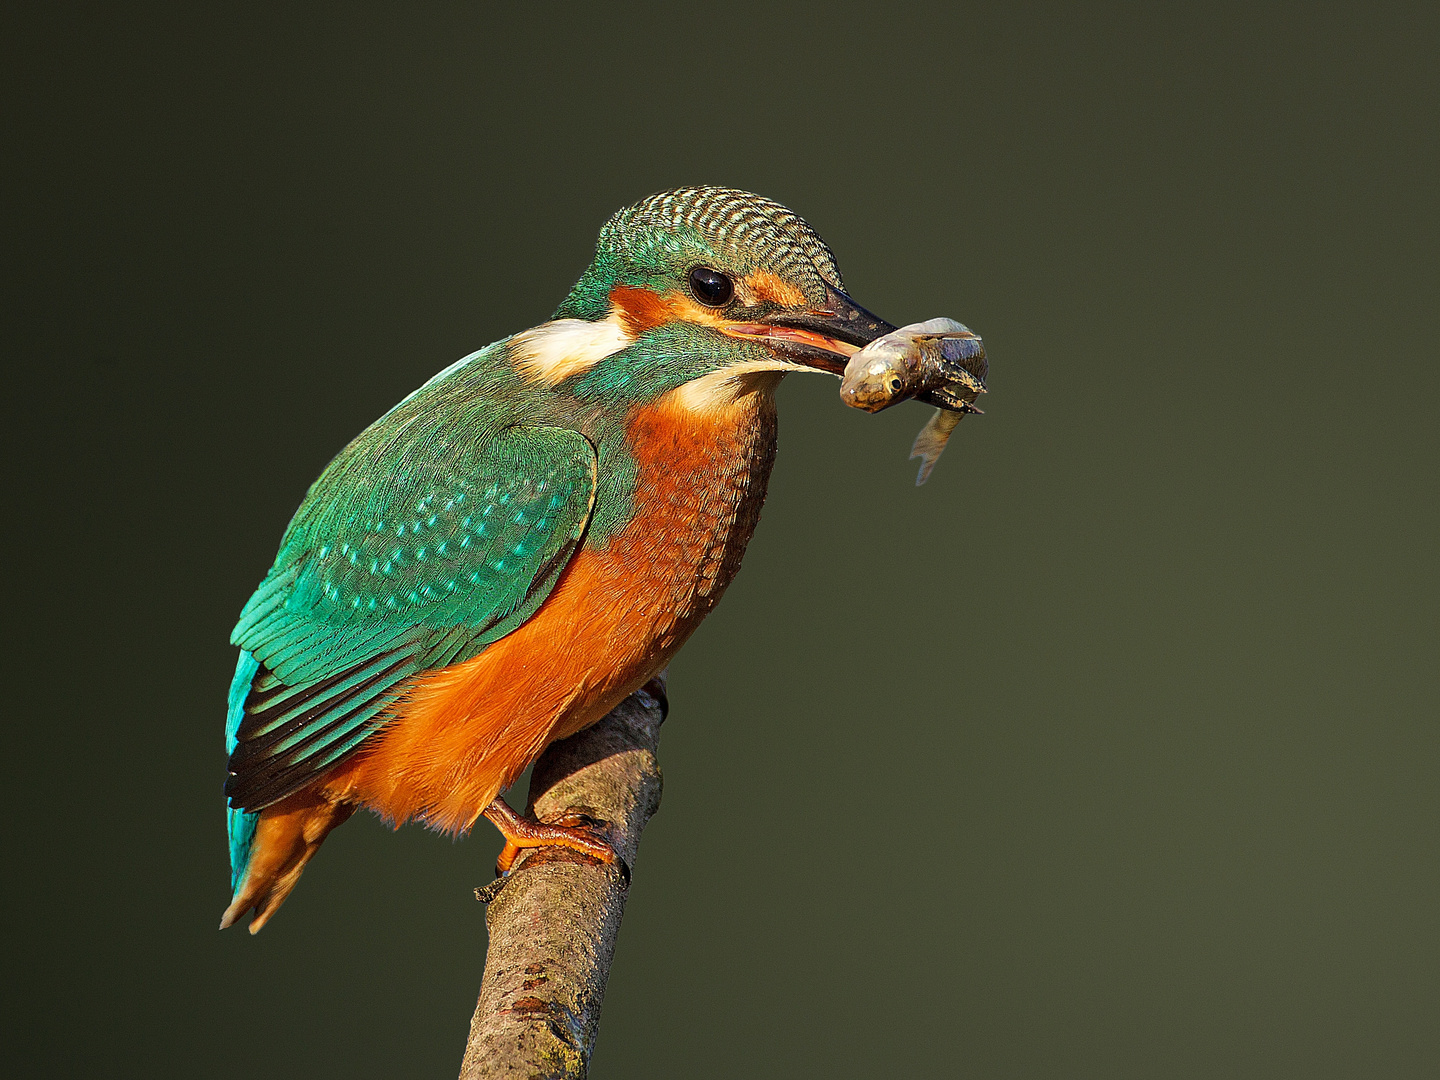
x,y
823,336
841,351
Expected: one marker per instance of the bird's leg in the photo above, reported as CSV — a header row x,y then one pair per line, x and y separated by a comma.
x,y
520,832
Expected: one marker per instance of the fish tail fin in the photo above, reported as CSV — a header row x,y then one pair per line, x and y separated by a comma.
x,y
930,443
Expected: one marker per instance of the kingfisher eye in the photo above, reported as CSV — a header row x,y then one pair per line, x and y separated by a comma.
x,y
711,287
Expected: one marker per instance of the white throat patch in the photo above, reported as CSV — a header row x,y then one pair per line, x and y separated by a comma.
x,y
554,351
723,388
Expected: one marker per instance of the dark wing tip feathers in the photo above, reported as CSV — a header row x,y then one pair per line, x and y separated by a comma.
x,y
277,756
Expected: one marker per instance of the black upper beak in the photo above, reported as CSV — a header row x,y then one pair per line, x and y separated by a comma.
x,y
839,318
823,336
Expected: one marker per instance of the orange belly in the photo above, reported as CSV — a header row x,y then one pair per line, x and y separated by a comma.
x,y
618,613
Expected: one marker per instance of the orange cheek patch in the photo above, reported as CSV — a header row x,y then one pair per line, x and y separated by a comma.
x,y
764,285
640,309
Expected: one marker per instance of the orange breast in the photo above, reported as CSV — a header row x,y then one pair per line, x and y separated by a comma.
x,y
614,619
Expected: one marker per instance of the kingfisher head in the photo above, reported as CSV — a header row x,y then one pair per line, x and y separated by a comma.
x,y
708,286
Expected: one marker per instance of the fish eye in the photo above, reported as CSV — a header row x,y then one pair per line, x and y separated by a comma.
x,y
896,384
711,287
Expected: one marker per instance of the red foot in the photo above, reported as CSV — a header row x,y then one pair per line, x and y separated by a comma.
x,y
577,833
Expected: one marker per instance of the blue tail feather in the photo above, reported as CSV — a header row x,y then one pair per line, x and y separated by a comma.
x,y
239,825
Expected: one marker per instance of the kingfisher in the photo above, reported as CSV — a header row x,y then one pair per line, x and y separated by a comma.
x,y
525,540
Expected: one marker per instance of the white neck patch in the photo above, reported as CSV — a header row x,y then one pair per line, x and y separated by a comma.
x,y
723,388
554,351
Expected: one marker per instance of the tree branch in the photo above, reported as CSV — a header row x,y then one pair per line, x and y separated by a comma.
x,y
553,921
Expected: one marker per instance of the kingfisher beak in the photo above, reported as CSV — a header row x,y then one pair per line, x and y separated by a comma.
x,y
822,336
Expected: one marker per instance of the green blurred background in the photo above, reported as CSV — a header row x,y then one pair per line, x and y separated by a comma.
x,y
1111,752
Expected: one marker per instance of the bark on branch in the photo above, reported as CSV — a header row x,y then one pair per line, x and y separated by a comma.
x,y
554,921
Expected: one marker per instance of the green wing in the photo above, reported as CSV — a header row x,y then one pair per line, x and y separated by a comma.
x,y
409,553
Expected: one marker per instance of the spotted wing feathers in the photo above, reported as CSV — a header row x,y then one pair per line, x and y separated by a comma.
x,y
381,577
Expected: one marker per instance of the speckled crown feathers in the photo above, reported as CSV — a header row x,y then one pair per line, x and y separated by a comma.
x,y
728,217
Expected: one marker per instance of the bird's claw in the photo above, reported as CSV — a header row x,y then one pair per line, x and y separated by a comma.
x,y
574,829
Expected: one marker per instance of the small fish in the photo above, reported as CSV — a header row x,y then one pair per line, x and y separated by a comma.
x,y
939,361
